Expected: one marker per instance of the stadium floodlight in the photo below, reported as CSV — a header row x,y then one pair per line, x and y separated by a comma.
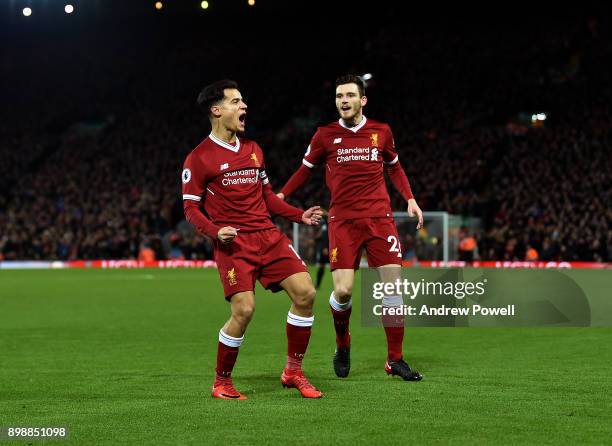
x,y
367,76
68,9
541,116
204,4
159,5
27,12
251,2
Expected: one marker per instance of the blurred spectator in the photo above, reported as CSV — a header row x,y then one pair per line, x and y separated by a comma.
x,y
146,254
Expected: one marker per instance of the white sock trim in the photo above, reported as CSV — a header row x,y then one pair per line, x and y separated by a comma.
x,y
299,321
392,301
228,340
337,305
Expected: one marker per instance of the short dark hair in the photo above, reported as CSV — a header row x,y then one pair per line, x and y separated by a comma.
x,y
214,93
352,79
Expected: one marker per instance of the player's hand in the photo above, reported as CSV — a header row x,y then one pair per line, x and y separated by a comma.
x,y
312,216
227,234
281,195
414,209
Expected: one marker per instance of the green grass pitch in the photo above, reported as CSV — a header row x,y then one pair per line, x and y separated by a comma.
x,y
127,357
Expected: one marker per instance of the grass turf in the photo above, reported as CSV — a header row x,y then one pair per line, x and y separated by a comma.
x,y
127,357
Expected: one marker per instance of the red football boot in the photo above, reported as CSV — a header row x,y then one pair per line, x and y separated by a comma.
x,y
300,382
227,392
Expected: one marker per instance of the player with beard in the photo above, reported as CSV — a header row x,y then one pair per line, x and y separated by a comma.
x,y
356,151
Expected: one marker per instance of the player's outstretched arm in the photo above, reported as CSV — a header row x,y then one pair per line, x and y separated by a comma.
x,y
297,180
277,206
312,216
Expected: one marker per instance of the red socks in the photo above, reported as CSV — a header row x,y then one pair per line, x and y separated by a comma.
x,y
227,352
394,328
298,335
341,314
395,339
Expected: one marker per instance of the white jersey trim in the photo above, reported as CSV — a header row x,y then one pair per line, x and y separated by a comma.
x,y
191,197
307,164
353,129
225,145
395,160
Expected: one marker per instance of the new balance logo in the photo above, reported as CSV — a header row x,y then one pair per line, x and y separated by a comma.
x,y
224,166
337,140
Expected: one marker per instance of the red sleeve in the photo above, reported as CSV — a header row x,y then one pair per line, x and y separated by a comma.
x,y
297,180
315,155
394,168
400,180
194,184
275,205
196,217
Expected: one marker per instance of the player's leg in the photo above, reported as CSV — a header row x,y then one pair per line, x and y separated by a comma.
x,y
299,326
340,303
282,268
384,253
393,325
236,264
230,339
344,252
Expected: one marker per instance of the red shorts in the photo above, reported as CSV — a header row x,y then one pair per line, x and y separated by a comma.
x,y
264,255
378,236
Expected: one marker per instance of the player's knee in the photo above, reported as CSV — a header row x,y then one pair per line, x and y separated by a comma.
x,y
305,298
244,313
343,293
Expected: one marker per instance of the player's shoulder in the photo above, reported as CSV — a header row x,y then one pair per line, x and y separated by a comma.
x,y
201,155
328,130
247,142
249,145
330,127
203,146
373,124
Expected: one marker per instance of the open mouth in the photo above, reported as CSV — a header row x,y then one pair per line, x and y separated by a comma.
x,y
345,108
242,118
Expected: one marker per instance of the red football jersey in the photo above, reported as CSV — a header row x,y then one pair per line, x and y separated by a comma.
x,y
353,159
229,180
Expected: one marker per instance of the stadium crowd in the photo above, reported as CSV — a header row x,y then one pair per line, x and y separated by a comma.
x,y
90,163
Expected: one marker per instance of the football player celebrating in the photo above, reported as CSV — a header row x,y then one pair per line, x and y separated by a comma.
x,y
354,150
226,174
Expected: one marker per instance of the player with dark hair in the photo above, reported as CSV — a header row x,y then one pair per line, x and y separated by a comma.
x,y
226,174
354,150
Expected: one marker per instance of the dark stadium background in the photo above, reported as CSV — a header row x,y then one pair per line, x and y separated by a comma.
x,y
99,112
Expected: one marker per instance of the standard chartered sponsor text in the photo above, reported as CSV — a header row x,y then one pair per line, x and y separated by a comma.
x,y
353,154
245,176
